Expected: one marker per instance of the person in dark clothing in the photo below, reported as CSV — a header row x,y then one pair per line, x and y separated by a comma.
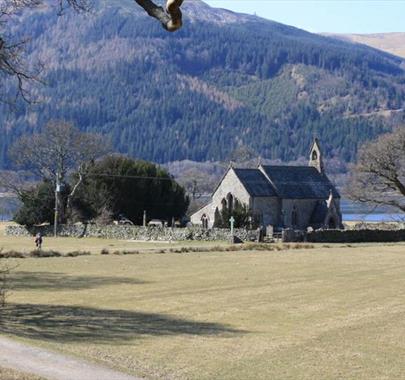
x,y
38,240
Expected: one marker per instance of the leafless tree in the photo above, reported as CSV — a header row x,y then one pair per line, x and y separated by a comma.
x,y
12,62
57,151
14,182
379,175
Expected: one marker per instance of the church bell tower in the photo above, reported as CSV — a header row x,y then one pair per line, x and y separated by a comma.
x,y
315,157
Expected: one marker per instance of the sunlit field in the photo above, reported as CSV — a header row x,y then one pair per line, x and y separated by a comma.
x,y
317,313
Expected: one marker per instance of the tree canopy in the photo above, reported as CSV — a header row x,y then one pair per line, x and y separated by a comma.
x,y
114,187
129,187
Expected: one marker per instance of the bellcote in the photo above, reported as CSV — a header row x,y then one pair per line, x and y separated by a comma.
x,y
315,156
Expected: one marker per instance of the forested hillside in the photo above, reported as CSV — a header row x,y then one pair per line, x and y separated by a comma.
x,y
222,81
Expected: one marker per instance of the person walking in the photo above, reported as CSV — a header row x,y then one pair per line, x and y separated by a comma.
x,y
38,240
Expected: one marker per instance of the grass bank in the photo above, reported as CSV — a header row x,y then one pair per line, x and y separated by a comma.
x,y
8,374
315,313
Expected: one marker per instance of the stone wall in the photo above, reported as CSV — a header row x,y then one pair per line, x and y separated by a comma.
x,y
359,236
345,236
135,233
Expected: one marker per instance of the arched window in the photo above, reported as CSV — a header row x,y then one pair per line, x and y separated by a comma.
x,y
204,222
229,199
294,217
217,218
224,204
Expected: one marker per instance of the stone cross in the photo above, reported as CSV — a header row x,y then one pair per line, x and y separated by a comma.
x,y
232,221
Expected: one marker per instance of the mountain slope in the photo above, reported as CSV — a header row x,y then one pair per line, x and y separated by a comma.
x,y
223,81
393,43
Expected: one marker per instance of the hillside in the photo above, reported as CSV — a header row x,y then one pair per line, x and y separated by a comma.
x,y
393,43
224,81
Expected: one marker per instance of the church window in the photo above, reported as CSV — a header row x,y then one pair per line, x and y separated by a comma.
x,y
314,155
294,217
204,221
230,202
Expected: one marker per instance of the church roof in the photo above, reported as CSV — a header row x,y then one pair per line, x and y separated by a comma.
x,y
255,182
299,182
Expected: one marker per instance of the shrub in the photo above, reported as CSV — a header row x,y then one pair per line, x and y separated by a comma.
x,y
76,253
40,254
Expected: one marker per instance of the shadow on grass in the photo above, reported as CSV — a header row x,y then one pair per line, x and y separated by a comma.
x,y
21,280
79,324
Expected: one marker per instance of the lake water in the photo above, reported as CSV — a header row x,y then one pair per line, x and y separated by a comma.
x,y
351,212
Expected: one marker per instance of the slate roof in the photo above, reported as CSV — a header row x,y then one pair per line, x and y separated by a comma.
x,y
255,182
299,182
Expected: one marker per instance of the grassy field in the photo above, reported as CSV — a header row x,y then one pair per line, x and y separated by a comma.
x,y
93,245
320,313
8,374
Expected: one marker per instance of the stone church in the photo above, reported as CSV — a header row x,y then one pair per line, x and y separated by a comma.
x,y
295,197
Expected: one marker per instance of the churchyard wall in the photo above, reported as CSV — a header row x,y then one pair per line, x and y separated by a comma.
x,y
135,232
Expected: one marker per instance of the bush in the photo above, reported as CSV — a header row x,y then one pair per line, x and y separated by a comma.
x,y
241,214
40,254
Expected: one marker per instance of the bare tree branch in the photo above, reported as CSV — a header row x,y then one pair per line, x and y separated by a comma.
x,y
12,62
55,153
15,182
379,175
57,150
171,18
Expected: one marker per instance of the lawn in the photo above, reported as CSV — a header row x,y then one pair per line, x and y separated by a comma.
x,y
321,313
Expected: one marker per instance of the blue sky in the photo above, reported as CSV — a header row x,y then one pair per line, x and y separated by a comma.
x,y
344,16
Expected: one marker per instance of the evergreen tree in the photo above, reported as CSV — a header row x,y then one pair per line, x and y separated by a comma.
x,y
129,187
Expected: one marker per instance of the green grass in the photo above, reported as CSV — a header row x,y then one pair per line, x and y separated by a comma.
x,y
321,313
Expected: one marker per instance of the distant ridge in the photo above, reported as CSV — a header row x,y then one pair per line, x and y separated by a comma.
x,y
223,82
393,43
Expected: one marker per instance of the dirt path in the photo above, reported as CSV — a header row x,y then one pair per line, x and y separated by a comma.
x,y
52,366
